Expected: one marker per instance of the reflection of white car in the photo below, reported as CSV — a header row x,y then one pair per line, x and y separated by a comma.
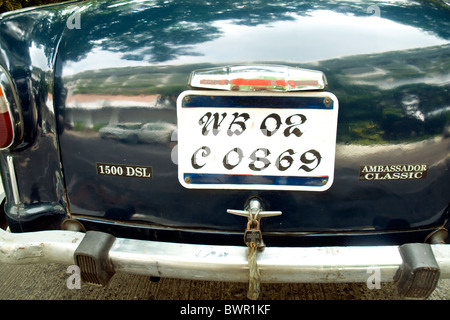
x,y
152,132
156,132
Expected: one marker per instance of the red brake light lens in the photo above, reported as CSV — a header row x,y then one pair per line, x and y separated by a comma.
x,y
6,126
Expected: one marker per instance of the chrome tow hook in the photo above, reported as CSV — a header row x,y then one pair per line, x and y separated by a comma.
x,y
253,240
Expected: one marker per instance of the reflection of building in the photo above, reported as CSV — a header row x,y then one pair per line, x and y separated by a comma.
x,y
96,111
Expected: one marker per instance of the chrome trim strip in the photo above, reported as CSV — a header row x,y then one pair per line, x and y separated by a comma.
x,y
13,180
218,263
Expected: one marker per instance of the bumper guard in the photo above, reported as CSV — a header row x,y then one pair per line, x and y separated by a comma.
x,y
228,263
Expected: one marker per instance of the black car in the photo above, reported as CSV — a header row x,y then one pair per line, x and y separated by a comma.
x,y
280,141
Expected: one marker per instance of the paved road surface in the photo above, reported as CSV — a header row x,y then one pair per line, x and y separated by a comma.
x,y
49,282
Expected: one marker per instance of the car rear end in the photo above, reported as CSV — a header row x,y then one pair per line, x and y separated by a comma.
x,y
236,142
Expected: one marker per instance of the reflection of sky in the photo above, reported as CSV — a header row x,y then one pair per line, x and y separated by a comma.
x,y
319,36
323,35
38,56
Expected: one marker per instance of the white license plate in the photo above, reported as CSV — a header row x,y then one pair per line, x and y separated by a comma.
x,y
257,141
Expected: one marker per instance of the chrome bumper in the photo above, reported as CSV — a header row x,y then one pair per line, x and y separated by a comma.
x,y
218,263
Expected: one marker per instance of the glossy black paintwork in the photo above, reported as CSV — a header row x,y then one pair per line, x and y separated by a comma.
x,y
129,61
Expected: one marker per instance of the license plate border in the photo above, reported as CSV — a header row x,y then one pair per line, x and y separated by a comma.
x,y
321,183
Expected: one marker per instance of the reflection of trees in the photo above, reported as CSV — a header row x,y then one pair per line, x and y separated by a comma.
x,y
378,110
372,111
159,31
9,5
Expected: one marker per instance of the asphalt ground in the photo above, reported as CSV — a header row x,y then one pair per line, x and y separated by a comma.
x,y
52,282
